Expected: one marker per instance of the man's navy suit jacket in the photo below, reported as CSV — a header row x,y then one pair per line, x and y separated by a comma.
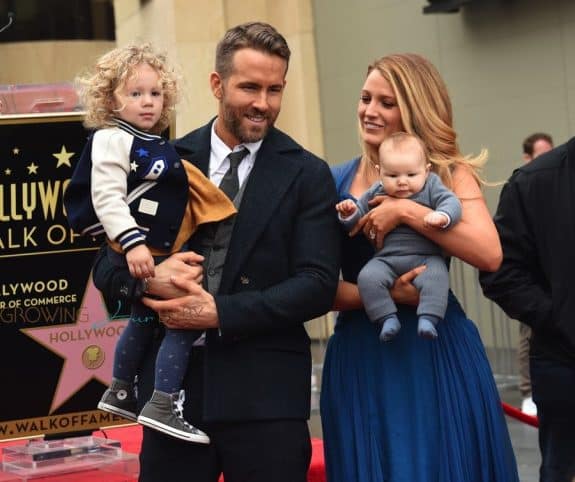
x,y
282,269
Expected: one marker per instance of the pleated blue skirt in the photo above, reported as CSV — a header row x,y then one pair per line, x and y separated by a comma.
x,y
412,409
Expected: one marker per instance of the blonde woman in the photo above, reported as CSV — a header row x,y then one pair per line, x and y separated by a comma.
x,y
412,409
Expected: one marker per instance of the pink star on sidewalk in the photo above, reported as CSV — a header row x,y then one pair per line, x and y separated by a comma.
x,y
87,346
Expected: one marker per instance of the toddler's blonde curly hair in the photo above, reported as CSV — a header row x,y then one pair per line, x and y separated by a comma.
x,y
111,72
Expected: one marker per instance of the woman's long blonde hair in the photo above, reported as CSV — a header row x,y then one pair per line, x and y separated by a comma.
x,y
111,72
426,112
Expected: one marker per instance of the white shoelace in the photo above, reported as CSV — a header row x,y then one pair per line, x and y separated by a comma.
x,y
179,408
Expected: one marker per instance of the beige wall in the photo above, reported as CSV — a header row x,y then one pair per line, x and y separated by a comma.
x,y
46,62
509,66
190,29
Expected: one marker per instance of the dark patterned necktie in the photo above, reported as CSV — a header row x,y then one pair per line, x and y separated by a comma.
x,y
230,182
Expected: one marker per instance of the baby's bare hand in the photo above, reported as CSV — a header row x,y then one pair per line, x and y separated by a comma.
x,y
140,262
346,208
436,219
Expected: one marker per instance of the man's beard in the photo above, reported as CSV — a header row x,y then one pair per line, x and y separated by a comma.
x,y
232,119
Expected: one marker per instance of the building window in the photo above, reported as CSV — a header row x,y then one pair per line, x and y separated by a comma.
x,y
57,20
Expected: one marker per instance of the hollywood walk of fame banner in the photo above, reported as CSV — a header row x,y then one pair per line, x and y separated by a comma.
x,y
57,337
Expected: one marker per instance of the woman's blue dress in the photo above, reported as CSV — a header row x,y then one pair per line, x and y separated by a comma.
x,y
412,409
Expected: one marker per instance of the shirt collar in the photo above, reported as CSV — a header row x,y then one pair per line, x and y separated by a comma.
x,y
219,162
220,149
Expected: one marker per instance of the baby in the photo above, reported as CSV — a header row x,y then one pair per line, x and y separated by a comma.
x,y
405,173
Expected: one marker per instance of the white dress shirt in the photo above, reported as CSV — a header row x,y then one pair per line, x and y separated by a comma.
x,y
219,162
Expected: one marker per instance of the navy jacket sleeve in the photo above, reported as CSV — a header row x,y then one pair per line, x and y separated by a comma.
x,y
115,282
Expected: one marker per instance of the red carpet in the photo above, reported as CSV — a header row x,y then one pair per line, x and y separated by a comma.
x,y
131,437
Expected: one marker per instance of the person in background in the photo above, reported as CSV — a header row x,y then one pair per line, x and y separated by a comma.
x,y
266,272
536,223
412,409
533,146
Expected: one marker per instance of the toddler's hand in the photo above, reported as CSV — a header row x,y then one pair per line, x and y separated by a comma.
x,y
346,208
436,219
140,262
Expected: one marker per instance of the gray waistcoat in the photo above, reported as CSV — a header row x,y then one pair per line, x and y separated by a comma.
x,y
216,244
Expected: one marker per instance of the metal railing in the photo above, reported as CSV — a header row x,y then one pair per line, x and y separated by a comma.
x,y
498,332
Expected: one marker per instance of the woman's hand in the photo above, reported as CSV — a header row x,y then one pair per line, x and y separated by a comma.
x,y
185,265
474,238
385,216
403,291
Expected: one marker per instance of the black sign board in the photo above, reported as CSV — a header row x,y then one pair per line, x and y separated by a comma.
x,y
57,337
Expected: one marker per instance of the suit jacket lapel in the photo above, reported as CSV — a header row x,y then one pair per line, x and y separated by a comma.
x,y
196,146
271,176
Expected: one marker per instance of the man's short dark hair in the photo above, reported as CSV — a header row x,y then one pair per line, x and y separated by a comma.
x,y
255,35
530,141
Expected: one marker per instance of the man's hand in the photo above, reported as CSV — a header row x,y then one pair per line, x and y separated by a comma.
x,y
403,291
185,265
195,310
